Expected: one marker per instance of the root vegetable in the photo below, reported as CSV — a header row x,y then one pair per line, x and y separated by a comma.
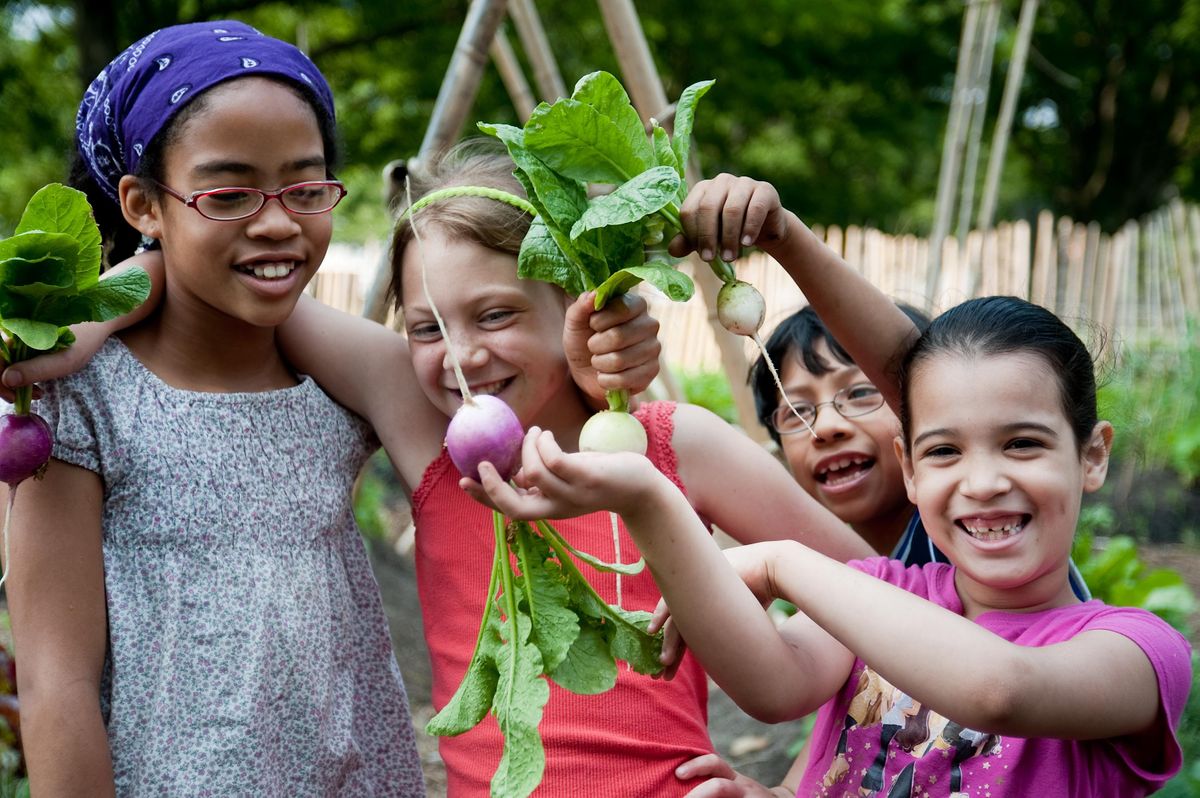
x,y
25,444
612,431
485,428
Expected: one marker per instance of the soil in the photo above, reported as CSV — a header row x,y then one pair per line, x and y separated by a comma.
x,y
756,749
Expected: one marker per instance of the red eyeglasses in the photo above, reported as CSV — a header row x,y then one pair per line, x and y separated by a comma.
x,y
231,204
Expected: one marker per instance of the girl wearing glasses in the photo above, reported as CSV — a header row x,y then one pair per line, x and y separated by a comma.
x,y
190,596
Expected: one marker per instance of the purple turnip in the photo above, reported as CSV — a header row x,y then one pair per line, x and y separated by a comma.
x,y
485,428
612,431
25,443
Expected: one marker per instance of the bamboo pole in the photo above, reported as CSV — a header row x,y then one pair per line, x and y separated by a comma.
x,y
1008,105
546,76
981,83
511,75
455,98
952,147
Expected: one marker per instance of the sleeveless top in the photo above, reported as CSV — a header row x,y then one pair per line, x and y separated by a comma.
x,y
625,742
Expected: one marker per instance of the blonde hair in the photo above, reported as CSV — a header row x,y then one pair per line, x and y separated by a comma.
x,y
495,225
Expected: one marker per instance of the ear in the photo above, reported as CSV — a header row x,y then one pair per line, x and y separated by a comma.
x,y
1095,456
906,467
140,209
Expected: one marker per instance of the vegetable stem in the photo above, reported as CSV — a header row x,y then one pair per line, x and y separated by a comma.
x,y
22,397
618,401
723,270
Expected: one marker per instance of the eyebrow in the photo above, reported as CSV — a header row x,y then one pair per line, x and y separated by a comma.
x,y
209,168
1020,426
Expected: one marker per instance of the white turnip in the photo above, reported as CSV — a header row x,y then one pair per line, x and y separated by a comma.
x,y
740,308
612,431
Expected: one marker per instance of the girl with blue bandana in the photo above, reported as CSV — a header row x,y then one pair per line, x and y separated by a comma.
x,y
193,604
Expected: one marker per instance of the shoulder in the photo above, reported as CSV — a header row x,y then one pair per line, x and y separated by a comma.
x,y
1168,651
932,580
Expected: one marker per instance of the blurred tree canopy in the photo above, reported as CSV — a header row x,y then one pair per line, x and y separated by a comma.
x,y
842,105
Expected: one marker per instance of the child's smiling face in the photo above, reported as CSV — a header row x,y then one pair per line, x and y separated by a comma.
x,y
998,475
251,132
507,332
851,467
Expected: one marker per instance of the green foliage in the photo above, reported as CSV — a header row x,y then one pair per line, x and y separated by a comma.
x,y
1116,575
542,619
710,389
1152,400
50,273
596,137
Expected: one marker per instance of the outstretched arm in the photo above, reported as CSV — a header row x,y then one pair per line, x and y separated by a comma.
x,y
748,493
725,213
773,677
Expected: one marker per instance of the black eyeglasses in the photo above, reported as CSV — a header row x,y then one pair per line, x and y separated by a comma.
x,y
231,204
851,401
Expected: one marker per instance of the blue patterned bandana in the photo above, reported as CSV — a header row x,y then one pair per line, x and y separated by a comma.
x,y
136,95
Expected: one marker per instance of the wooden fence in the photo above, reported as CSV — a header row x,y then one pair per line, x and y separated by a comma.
x,y
1139,284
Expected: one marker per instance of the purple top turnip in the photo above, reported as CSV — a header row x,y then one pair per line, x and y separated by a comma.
x,y
485,428
25,444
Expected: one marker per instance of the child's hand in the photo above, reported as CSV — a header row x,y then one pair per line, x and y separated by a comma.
x,y
726,213
613,348
722,780
554,484
673,647
89,337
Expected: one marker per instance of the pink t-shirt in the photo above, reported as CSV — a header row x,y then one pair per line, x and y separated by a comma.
x,y
872,739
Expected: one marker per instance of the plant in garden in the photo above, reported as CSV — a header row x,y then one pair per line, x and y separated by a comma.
x,y
50,279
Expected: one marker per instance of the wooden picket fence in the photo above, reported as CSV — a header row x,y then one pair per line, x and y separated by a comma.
x,y
1140,284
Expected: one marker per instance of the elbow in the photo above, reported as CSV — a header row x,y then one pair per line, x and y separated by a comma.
x,y
1001,702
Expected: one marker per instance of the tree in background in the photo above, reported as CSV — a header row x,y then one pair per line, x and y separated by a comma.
x,y
842,105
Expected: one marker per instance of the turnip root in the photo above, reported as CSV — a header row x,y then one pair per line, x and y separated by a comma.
x,y
485,428
612,431
740,308
25,443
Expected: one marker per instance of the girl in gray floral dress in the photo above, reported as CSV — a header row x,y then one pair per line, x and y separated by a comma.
x,y
191,602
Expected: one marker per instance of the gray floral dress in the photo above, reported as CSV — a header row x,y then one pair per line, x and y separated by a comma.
x,y
248,651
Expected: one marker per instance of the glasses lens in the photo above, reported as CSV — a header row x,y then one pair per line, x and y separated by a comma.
x,y
312,197
858,400
786,422
232,203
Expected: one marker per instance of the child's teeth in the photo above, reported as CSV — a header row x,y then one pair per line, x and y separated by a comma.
x,y
272,271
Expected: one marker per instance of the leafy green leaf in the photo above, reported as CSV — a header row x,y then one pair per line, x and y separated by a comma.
x,y
672,282
475,693
521,695
605,93
541,258
38,258
628,640
641,196
117,295
589,667
543,587
685,115
575,139
58,209
38,335
664,155
557,197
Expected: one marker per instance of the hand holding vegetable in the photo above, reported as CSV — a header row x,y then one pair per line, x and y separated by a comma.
x,y
726,213
613,348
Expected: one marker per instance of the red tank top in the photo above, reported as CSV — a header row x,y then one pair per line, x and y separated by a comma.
x,y
623,743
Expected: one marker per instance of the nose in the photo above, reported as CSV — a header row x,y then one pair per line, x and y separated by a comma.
x,y
469,350
273,221
983,479
829,424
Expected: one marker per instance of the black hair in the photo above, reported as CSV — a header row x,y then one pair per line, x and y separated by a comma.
x,y
120,238
999,325
798,336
